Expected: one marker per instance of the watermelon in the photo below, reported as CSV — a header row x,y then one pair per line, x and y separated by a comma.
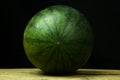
x,y
58,40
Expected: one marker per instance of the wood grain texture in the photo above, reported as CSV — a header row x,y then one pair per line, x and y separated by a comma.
x,y
36,74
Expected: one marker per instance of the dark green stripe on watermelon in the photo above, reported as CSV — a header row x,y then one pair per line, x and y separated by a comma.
x,y
55,23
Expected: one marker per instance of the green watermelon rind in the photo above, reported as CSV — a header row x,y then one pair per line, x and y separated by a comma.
x,y
58,40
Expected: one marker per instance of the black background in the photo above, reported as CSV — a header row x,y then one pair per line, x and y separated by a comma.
x,y
103,16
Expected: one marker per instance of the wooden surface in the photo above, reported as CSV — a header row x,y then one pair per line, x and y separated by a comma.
x,y
81,74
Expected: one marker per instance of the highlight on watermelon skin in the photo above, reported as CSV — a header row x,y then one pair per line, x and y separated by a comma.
x,y
58,40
